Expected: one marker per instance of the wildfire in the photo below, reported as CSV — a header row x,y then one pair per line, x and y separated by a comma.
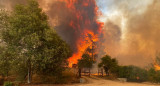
x,y
85,23
156,66
82,45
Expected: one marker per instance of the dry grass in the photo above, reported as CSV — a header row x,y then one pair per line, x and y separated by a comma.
x,y
68,77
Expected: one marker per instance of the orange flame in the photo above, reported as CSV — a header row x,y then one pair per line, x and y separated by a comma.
x,y
88,36
157,67
82,45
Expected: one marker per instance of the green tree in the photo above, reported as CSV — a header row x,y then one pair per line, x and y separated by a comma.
x,y
6,56
5,61
86,61
109,64
38,47
3,19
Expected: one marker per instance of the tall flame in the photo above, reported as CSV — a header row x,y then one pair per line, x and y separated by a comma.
x,y
82,45
86,24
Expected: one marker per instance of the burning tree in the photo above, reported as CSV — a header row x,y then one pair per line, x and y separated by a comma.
x,y
76,21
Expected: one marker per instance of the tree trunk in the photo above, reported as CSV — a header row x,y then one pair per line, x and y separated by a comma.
x,y
29,71
79,72
102,71
89,72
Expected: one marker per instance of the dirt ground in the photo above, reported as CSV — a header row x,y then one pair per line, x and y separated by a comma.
x,y
94,81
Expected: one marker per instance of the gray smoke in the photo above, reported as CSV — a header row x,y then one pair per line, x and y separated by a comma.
x,y
137,42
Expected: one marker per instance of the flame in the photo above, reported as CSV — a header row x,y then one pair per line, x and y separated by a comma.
x,y
83,25
157,67
82,45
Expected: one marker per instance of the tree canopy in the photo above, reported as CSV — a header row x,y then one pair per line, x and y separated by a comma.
x,y
37,46
86,61
109,64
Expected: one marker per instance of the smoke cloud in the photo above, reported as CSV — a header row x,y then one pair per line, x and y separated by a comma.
x,y
136,41
71,23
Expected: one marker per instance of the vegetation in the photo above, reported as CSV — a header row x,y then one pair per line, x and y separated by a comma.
x,y
31,46
8,83
132,73
86,61
110,65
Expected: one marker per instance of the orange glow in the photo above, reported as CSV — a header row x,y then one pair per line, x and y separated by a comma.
x,y
88,36
157,67
82,45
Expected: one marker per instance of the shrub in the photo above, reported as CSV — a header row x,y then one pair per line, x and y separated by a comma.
x,y
133,73
68,76
8,83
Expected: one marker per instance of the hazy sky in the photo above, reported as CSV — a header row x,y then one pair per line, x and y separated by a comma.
x,y
132,30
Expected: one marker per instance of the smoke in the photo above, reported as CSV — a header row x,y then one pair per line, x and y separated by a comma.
x,y
9,4
71,22
136,41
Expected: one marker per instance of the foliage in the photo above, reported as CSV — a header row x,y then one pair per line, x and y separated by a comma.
x,y
86,61
132,73
68,76
153,73
3,19
33,43
8,83
109,64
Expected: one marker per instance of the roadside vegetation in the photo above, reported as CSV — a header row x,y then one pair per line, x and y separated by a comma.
x,y
131,73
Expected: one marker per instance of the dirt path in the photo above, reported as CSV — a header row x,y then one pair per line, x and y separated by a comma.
x,y
94,81
102,82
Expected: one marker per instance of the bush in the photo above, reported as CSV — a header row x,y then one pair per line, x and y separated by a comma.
x,y
133,73
153,76
8,83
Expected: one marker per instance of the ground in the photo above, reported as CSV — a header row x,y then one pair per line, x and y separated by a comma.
x,y
94,81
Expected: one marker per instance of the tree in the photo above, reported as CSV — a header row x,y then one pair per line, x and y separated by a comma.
x,y
109,64
86,61
38,47
3,19
5,62
6,56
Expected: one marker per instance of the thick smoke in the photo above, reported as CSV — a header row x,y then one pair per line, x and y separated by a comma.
x,y
138,40
71,22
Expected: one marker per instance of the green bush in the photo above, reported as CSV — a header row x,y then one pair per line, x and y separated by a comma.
x,y
153,76
133,73
8,83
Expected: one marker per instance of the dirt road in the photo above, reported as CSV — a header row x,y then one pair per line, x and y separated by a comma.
x,y
102,82
94,81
